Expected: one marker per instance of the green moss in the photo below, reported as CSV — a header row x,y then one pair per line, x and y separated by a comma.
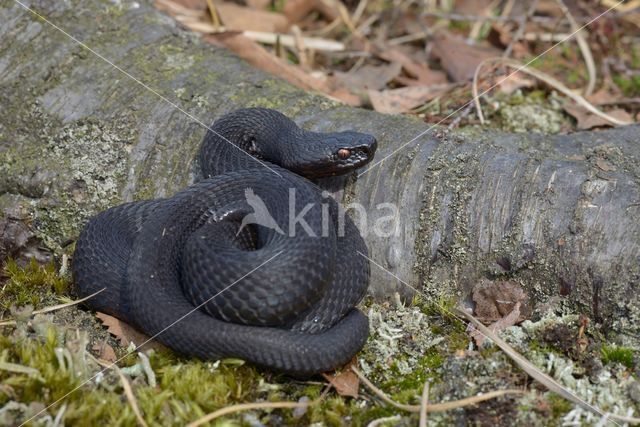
x,y
615,354
30,284
630,86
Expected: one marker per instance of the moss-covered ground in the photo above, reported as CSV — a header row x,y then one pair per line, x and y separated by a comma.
x,y
47,370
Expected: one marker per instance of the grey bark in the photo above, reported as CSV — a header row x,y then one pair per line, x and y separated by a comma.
x,y
558,214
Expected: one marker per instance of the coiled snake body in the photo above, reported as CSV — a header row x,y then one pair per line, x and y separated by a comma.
x,y
280,293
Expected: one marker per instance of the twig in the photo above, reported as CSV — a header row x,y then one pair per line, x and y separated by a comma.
x,y
474,33
545,37
584,48
551,81
424,401
463,114
434,407
300,47
521,27
55,307
537,374
215,18
407,38
264,37
492,18
357,14
247,407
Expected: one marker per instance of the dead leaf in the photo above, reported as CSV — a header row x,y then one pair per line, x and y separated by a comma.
x,y
602,96
105,351
458,58
369,76
403,100
421,73
295,10
126,334
345,382
496,299
514,82
241,18
587,120
604,165
501,324
258,4
471,7
259,57
345,96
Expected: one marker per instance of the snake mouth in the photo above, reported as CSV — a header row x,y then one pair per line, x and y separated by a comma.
x,y
356,156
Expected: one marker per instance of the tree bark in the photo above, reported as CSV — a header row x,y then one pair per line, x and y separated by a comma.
x,y
558,214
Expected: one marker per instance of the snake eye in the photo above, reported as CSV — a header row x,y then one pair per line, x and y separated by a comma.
x,y
344,154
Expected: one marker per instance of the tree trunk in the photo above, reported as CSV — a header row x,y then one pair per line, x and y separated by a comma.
x,y
559,214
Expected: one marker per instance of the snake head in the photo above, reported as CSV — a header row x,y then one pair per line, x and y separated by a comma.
x,y
335,153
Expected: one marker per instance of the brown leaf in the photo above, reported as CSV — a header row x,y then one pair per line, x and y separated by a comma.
x,y
514,82
587,120
241,18
369,76
295,10
471,7
458,58
342,94
604,165
421,73
403,100
602,96
499,325
105,351
126,334
345,382
259,57
258,4
495,300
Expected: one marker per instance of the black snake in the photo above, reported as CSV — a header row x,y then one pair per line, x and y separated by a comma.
x,y
279,294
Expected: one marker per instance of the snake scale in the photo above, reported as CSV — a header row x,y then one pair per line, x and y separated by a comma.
x,y
279,292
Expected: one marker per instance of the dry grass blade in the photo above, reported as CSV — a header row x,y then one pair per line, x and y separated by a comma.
x,y
434,407
551,81
540,376
584,48
130,397
125,385
247,407
55,307
424,401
